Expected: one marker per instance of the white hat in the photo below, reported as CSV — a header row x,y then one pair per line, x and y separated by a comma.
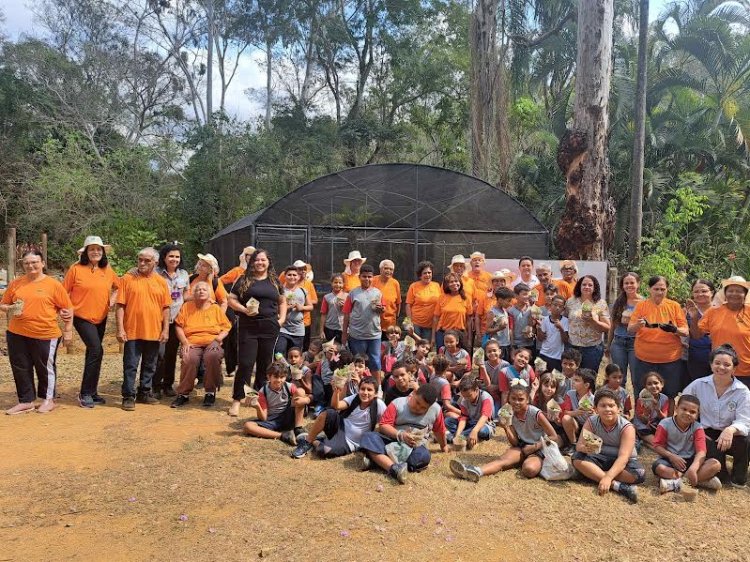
x,y
458,259
506,274
479,255
210,259
94,240
354,255
733,280
300,264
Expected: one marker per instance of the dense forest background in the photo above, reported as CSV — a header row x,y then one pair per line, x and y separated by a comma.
x,y
113,120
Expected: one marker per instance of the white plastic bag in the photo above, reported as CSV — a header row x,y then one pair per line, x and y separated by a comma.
x,y
554,466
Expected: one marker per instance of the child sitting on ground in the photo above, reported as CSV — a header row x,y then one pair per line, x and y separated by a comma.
x,y
343,424
612,462
299,373
407,421
459,360
280,408
519,370
313,355
577,406
552,333
491,371
613,381
524,433
400,383
650,407
548,391
445,395
570,361
680,442
477,411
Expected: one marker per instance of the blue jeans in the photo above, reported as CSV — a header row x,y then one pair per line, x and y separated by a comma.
x,y
371,348
672,373
485,433
591,356
374,443
622,353
147,353
424,333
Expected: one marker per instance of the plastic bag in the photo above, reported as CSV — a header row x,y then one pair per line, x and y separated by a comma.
x,y
555,466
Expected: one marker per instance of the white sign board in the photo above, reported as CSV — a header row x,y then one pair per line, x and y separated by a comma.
x,y
596,268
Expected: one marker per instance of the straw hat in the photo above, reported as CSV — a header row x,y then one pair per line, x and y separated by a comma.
x,y
733,280
506,274
94,240
209,258
479,255
354,255
458,259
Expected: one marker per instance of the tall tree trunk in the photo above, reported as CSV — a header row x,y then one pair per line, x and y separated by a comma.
x,y
482,45
210,64
502,125
586,227
269,68
639,140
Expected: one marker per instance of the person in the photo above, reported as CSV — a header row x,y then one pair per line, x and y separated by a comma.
x,y
613,380
352,264
544,275
650,408
725,414
680,442
305,282
33,302
620,345
547,390
497,321
259,323
477,414
552,332
439,378
452,311
566,286
280,408
658,323
231,357
400,383
520,312
201,328
571,362
728,323
482,281
390,288
143,319
588,320
206,269
699,348
615,466
344,423
407,421
392,349
525,434
332,310
520,369
421,299
577,406
459,360
92,286
171,269
239,270
491,371
525,273
292,332
361,327
299,372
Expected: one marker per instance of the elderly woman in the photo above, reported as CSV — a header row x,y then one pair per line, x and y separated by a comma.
x,y
588,321
421,299
566,285
92,285
658,323
201,327
33,303
351,270
727,323
725,414
390,288
205,270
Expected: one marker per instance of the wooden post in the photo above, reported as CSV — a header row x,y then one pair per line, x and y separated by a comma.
x,y
44,247
612,287
11,253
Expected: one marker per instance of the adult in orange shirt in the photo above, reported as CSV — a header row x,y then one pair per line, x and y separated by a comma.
x,y
143,303
33,303
566,285
351,270
202,326
458,266
727,323
421,299
452,311
482,281
544,274
92,285
658,323
228,280
236,272
391,291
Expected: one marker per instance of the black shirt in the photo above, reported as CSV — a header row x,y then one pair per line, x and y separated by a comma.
x,y
268,312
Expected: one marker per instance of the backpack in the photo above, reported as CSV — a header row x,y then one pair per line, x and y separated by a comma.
x,y
373,411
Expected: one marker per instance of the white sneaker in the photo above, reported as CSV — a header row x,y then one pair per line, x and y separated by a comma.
x,y
711,484
669,485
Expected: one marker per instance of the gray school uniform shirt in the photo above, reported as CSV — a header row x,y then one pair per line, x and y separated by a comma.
x,y
294,323
364,320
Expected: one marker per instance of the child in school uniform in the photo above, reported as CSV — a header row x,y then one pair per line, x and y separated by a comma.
x,y
292,333
680,442
577,406
552,333
491,371
498,325
547,391
344,423
524,433
613,381
280,408
571,362
321,380
520,312
400,384
299,373
458,358
439,378
392,349
650,411
520,369
615,466
477,411
332,310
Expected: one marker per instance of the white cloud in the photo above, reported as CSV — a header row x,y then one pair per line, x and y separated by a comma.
x,y
18,19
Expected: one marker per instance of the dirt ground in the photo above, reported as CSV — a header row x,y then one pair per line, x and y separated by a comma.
x,y
164,484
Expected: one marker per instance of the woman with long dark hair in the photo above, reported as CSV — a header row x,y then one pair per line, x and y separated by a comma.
x,y
620,344
452,312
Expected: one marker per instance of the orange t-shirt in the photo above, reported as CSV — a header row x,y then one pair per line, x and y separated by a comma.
x,y
452,310
391,291
541,300
654,345
145,299
564,288
232,275
312,294
89,290
219,296
727,326
42,300
351,282
422,300
202,326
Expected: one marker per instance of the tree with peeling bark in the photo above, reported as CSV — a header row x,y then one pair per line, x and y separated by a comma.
x,y
587,224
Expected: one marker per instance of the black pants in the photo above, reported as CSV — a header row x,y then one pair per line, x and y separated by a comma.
x,y
306,339
738,451
167,362
230,343
255,350
332,334
92,336
28,355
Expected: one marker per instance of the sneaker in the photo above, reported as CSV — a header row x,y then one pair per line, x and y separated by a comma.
x,y
465,471
289,438
98,399
146,397
128,404
86,401
180,401
449,438
234,409
399,472
363,462
711,484
630,491
671,485
168,392
46,406
737,485
157,395
209,400
303,447
22,408
299,431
